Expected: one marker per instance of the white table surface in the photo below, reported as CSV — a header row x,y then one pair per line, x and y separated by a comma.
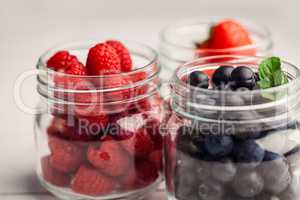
x,y
28,27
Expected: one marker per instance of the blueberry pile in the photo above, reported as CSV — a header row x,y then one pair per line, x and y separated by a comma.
x,y
226,77
217,167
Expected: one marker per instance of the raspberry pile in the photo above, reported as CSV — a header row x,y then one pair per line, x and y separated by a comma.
x,y
96,152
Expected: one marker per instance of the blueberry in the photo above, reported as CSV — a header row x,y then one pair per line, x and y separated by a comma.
x,y
292,192
203,171
211,190
218,146
248,153
256,76
234,100
198,79
243,77
266,196
222,76
186,141
223,171
275,172
247,184
293,157
185,183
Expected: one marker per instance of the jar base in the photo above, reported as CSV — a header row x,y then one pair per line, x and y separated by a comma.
x,y
67,194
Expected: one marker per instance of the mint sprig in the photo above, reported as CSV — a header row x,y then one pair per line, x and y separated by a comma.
x,y
271,74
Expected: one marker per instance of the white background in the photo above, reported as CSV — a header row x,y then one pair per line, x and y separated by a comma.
x,y
29,27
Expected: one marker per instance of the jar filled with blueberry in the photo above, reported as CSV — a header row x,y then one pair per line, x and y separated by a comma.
x,y
234,130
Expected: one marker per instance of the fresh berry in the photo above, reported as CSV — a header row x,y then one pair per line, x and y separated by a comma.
x,y
275,172
103,60
152,127
89,181
61,127
146,173
143,174
243,77
123,53
156,158
91,125
64,62
222,76
186,142
223,171
139,144
292,191
66,156
248,153
227,34
211,190
203,169
248,184
198,79
115,82
53,176
185,183
218,146
109,158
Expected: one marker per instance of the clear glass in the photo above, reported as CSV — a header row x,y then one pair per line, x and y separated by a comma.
x,y
178,43
233,144
98,137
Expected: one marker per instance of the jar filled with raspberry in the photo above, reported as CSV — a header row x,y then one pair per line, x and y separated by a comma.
x,y
99,135
234,131
191,39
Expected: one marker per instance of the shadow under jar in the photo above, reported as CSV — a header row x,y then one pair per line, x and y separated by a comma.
x,y
233,144
178,43
97,139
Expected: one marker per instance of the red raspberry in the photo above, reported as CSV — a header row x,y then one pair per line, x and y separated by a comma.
x,y
153,129
68,128
156,158
109,158
91,126
61,127
146,172
117,82
66,156
127,125
64,62
123,53
103,60
89,181
53,176
142,175
139,145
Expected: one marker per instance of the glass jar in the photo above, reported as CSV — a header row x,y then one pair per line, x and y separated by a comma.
x,y
233,144
178,43
98,136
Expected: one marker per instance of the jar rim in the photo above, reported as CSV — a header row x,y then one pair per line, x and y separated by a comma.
x,y
146,63
266,42
179,81
41,65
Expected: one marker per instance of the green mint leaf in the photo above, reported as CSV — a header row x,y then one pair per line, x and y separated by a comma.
x,y
280,78
265,83
270,65
271,75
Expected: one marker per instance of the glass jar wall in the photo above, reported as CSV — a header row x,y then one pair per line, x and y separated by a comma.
x,y
233,144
